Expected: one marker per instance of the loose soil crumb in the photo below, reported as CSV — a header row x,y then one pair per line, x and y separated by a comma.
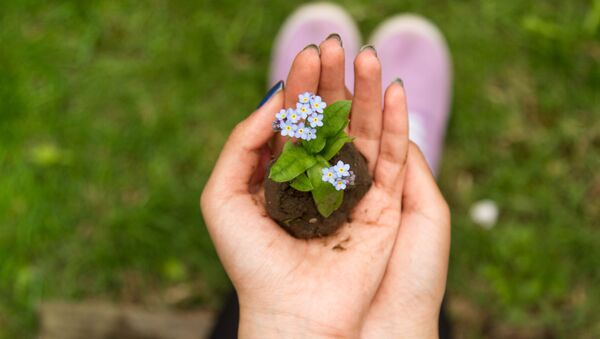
x,y
296,212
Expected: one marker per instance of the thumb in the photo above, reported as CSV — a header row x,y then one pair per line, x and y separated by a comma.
x,y
242,152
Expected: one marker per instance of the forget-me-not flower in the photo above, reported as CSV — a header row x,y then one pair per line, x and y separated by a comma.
x,y
281,115
303,109
328,175
341,169
340,184
304,98
293,116
317,104
288,129
301,131
315,120
311,133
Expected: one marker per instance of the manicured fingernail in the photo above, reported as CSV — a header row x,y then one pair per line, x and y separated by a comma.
x,y
313,46
278,87
368,47
336,37
399,81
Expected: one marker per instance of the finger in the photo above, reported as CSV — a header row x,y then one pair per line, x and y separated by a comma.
x,y
303,77
421,193
331,82
243,150
394,140
366,115
423,242
417,269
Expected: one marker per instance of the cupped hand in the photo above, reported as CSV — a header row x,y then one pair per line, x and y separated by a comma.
x,y
310,288
408,301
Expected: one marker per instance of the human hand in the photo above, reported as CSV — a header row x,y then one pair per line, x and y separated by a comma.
x,y
290,287
407,304
408,301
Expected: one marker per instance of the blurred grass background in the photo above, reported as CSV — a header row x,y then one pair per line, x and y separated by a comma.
x,y
112,114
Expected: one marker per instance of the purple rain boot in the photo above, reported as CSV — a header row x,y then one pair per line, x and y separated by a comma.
x,y
412,48
311,24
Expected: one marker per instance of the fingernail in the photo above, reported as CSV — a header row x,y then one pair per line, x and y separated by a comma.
x,y
399,81
337,37
278,87
368,47
313,46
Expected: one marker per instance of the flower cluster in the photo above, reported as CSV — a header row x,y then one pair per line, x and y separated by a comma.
x,y
339,175
303,121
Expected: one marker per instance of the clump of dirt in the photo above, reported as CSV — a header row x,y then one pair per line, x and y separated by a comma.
x,y
296,211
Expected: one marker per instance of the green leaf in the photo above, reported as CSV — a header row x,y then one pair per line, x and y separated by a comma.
x,y
314,173
335,144
302,183
326,197
315,146
292,162
335,118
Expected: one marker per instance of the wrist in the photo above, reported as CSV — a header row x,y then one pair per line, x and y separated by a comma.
x,y
397,326
265,323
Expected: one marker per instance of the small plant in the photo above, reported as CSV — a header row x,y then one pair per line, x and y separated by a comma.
x,y
305,164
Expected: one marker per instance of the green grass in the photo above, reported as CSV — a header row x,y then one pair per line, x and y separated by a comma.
x,y
112,114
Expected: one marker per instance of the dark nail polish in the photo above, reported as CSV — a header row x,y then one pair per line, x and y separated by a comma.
x,y
337,37
399,81
313,46
368,47
278,87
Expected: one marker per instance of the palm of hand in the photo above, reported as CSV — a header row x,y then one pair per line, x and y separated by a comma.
x,y
276,269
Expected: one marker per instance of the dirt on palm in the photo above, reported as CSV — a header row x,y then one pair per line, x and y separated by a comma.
x,y
296,211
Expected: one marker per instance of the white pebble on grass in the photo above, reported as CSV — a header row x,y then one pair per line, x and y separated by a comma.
x,y
485,213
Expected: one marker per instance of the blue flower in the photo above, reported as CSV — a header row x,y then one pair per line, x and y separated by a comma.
x,y
281,115
301,131
304,98
292,116
311,134
341,169
328,175
288,129
303,109
315,120
317,104
340,184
